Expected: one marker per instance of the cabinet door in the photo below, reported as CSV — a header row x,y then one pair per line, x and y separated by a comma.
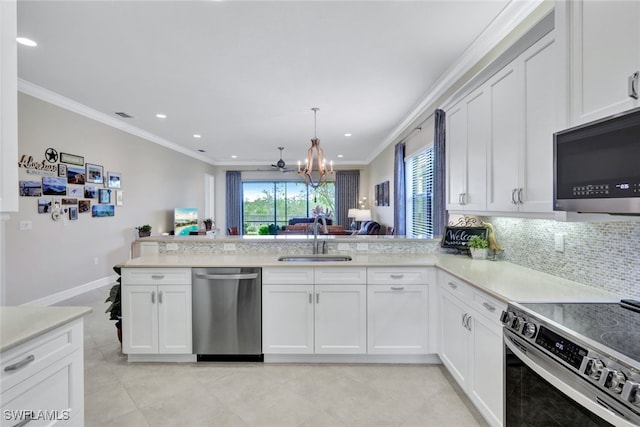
x,y
287,319
536,161
477,133
340,319
174,319
506,136
605,37
456,155
139,319
486,370
454,344
397,319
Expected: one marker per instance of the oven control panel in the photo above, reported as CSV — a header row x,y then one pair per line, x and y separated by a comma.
x,y
603,372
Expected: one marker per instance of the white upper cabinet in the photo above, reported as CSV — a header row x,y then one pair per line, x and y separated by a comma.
x,y
8,107
604,52
523,119
467,125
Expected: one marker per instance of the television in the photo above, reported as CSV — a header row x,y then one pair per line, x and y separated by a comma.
x,y
185,220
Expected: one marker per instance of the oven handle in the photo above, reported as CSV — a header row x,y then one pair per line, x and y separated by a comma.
x,y
552,374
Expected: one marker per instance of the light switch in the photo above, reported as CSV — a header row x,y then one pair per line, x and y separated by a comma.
x,y
26,225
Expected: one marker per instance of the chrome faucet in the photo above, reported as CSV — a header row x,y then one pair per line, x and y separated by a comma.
x,y
325,230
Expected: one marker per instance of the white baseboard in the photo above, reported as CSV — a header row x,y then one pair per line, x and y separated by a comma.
x,y
70,293
428,359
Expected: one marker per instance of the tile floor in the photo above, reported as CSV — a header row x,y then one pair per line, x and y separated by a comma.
x,y
121,394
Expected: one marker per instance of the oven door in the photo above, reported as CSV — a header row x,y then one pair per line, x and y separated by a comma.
x,y
541,392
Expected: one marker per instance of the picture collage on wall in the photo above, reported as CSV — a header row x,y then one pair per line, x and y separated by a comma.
x,y
69,186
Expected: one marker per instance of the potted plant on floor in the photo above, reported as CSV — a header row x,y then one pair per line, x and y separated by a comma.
x,y
478,247
115,308
144,230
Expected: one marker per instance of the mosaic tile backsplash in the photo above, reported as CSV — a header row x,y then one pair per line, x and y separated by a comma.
x,y
604,255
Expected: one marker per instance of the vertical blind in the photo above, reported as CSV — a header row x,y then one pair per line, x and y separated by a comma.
x,y
419,195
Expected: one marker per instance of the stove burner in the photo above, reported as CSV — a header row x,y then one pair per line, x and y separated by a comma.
x,y
625,342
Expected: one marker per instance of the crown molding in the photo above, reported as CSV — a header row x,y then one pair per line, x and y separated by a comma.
x,y
56,99
511,16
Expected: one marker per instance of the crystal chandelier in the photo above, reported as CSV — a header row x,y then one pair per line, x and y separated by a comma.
x,y
315,171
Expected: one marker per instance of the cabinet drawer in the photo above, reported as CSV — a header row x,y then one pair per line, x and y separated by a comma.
x,y
488,306
403,276
24,360
156,276
455,286
287,276
340,276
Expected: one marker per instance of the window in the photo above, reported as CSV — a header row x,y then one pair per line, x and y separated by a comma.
x,y
419,191
269,205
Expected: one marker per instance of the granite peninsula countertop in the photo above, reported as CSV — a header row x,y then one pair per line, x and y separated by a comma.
x,y
19,324
503,280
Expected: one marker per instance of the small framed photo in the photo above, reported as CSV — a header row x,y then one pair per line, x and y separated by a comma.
x,y
84,206
90,192
114,180
31,188
119,198
54,186
75,191
44,205
69,201
71,159
101,211
94,173
75,175
73,212
104,196
62,169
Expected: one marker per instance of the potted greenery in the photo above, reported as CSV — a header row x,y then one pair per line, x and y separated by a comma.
x,y
144,230
479,247
115,308
207,223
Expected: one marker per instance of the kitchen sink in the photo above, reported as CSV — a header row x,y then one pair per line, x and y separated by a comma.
x,y
315,258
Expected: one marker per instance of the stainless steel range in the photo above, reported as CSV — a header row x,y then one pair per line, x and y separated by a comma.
x,y
572,364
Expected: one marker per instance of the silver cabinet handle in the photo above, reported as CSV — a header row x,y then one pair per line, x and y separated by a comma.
x,y
520,195
24,362
310,298
227,276
633,84
153,297
488,307
463,198
513,196
468,324
24,422
160,297
396,276
397,288
317,297
464,320
452,285
157,276
460,198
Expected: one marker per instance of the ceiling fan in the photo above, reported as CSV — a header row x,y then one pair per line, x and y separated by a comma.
x,y
280,164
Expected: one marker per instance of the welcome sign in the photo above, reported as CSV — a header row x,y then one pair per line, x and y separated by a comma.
x,y
458,237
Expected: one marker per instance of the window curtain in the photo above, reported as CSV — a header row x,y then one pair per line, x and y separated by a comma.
x,y
234,200
347,193
399,191
439,174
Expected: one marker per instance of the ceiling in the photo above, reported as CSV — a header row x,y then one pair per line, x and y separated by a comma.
x,y
245,75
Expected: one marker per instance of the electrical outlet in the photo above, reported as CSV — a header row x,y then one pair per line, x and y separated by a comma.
x,y
229,246
95,261
172,246
559,242
26,225
344,246
362,246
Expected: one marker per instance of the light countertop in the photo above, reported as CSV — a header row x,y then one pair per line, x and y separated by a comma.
x,y
21,323
502,280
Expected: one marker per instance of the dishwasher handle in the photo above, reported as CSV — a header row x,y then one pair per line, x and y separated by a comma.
x,y
227,276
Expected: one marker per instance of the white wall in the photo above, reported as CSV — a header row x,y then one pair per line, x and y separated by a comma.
x,y
54,257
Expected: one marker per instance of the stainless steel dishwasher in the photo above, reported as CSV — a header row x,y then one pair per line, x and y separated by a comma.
x,y
227,313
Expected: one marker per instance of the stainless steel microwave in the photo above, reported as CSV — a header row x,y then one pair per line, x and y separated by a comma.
x,y
596,166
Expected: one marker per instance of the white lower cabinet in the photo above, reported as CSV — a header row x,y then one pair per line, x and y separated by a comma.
x,y
156,311
471,345
328,317
42,379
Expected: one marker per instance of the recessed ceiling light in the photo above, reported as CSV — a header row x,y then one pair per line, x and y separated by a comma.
x,y
161,116
347,134
26,42
195,135
234,156
340,156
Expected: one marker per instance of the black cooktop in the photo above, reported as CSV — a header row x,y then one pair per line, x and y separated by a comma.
x,y
609,324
